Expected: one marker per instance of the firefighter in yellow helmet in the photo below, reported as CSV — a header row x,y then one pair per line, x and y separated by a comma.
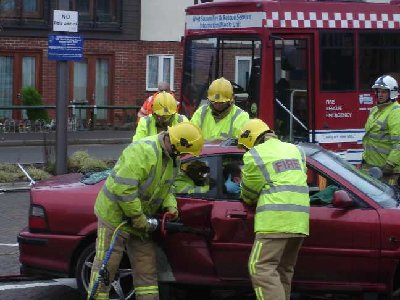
x,y
193,178
220,118
139,187
382,131
274,178
164,115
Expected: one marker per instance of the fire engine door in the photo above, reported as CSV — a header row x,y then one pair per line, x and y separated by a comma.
x,y
291,88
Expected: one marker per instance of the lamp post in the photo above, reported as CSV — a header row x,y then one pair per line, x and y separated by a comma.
x,y
61,107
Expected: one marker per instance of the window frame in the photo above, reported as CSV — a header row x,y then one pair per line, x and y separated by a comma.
x,y
18,11
18,73
242,58
92,15
160,70
323,68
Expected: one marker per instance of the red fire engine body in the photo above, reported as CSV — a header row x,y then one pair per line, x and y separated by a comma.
x,y
305,67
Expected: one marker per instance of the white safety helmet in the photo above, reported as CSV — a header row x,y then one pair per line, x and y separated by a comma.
x,y
387,82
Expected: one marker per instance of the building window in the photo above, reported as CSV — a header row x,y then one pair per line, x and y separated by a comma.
x,y
242,70
21,8
17,70
159,68
90,84
96,10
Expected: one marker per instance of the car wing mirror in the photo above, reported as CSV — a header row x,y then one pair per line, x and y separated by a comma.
x,y
341,199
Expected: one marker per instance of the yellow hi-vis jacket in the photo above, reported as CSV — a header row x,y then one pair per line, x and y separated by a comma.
x,y
274,177
140,183
147,125
185,185
214,129
382,137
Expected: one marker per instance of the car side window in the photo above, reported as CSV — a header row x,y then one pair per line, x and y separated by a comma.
x,y
321,188
195,178
231,174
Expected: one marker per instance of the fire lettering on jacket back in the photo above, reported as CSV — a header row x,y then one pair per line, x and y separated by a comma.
x,y
286,165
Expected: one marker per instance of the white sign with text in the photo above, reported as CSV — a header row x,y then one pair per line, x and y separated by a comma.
x,y
228,21
65,20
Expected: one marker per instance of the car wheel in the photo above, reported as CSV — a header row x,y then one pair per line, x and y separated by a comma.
x,y
121,286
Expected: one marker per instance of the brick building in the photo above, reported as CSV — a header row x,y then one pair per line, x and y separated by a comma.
x,y
129,46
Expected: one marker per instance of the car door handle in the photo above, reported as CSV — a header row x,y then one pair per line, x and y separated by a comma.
x,y
236,214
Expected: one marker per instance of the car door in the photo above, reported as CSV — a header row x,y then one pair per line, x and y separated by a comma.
x,y
232,226
343,247
188,253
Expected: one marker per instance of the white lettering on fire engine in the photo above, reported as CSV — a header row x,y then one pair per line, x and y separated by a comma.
x,y
334,111
219,21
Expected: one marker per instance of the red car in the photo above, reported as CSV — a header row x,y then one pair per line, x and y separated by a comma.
x,y
354,242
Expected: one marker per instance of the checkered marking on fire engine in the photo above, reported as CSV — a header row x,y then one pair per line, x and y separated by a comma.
x,y
300,19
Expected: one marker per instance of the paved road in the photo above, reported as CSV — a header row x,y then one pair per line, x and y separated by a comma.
x,y
28,148
13,217
37,154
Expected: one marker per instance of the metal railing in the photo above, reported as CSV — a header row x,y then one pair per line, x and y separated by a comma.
x,y
80,117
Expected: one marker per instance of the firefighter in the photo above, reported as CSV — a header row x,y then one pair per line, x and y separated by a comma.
x,y
381,141
146,108
138,187
164,115
193,178
220,118
274,179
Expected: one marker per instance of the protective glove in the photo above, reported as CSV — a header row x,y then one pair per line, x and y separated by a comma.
x,y
174,213
232,187
141,223
387,169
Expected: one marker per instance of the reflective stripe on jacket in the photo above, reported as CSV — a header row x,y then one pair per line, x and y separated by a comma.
x,y
382,137
138,184
227,127
147,126
274,177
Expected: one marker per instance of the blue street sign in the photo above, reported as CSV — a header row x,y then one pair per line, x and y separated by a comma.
x,y
65,47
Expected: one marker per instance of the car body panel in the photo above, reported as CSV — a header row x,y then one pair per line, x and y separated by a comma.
x,y
48,251
349,249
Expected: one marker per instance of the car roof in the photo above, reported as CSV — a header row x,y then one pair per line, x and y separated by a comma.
x,y
230,146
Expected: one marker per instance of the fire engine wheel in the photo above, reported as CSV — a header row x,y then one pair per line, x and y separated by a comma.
x,y
122,285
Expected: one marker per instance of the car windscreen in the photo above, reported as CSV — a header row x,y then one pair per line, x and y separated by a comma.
x,y
375,189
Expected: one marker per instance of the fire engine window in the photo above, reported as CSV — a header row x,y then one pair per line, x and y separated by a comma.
x,y
238,60
337,61
379,54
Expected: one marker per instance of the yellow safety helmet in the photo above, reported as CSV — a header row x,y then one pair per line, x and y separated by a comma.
x,y
165,104
186,138
220,90
250,131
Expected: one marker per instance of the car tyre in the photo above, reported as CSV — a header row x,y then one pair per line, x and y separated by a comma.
x,y
84,267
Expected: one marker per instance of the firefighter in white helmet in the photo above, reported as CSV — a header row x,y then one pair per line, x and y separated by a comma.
x,y
139,187
382,131
274,179
164,115
221,118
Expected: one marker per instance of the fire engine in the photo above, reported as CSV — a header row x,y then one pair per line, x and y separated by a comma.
x,y
305,67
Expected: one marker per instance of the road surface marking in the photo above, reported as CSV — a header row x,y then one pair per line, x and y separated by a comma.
x,y
9,245
64,281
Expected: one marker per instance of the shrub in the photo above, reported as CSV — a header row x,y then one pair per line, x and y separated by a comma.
x,y
7,177
30,96
81,161
37,174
